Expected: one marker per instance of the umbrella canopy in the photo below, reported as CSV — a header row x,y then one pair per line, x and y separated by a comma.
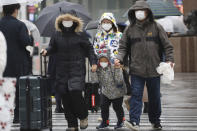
x,y
173,24
46,19
94,25
9,2
167,24
33,29
161,8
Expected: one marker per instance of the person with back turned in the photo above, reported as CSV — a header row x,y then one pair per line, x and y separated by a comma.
x,y
17,38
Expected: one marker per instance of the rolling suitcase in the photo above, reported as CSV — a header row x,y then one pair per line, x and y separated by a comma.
x,y
35,102
92,93
92,96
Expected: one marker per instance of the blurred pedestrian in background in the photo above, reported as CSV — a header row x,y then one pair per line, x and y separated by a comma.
x,y
5,115
17,37
71,47
145,41
3,54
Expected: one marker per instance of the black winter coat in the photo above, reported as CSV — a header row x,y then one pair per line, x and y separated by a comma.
x,y
70,47
17,38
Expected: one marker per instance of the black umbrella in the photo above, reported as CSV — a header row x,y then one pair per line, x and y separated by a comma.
x,y
94,25
161,8
46,19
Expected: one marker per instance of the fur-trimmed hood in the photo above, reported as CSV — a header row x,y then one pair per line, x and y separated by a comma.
x,y
3,54
59,19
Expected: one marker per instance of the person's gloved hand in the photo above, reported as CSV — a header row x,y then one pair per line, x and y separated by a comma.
x,y
117,62
30,49
43,52
94,68
171,64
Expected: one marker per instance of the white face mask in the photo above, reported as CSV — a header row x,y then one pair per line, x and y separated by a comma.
x,y
104,64
106,27
67,23
140,15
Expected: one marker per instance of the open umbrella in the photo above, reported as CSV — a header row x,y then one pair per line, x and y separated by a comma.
x,y
46,19
33,29
173,24
166,23
35,34
161,8
9,2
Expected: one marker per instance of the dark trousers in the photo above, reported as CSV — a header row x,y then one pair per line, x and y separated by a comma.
x,y
117,106
153,87
74,107
16,110
58,100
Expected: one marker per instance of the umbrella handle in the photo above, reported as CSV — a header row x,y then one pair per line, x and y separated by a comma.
x,y
60,9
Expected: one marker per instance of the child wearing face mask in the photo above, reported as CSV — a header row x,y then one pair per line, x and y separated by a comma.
x,y
112,91
110,78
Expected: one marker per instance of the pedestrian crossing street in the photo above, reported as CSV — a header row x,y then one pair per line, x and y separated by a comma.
x,y
169,122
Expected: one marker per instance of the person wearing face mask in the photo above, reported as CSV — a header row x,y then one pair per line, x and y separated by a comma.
x,y
70,47
107,35
144,41
106,44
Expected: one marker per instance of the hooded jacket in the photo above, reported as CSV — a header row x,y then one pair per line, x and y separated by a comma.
x,y
144,42
3,54
111,79
70,46
110,39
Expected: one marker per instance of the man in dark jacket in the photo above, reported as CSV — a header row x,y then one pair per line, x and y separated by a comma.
x,y
145,41
17,38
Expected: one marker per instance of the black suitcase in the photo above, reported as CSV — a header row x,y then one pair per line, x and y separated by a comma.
x,y
35,102
92,94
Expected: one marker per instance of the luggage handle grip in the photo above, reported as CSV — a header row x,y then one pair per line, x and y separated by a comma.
x,y
41,66
31,104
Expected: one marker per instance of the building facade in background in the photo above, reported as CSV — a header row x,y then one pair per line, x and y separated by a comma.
x,y
179,5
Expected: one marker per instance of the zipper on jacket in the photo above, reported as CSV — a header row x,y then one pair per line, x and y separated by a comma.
x,y
146,56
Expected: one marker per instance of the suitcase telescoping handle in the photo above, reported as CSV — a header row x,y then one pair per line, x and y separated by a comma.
x,y
41,66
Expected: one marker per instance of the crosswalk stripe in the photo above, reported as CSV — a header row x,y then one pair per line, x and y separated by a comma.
x,y
169,123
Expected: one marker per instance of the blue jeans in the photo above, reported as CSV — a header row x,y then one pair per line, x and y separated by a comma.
x,y
137,87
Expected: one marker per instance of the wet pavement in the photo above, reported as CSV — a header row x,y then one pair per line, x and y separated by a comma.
x,y
179,108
